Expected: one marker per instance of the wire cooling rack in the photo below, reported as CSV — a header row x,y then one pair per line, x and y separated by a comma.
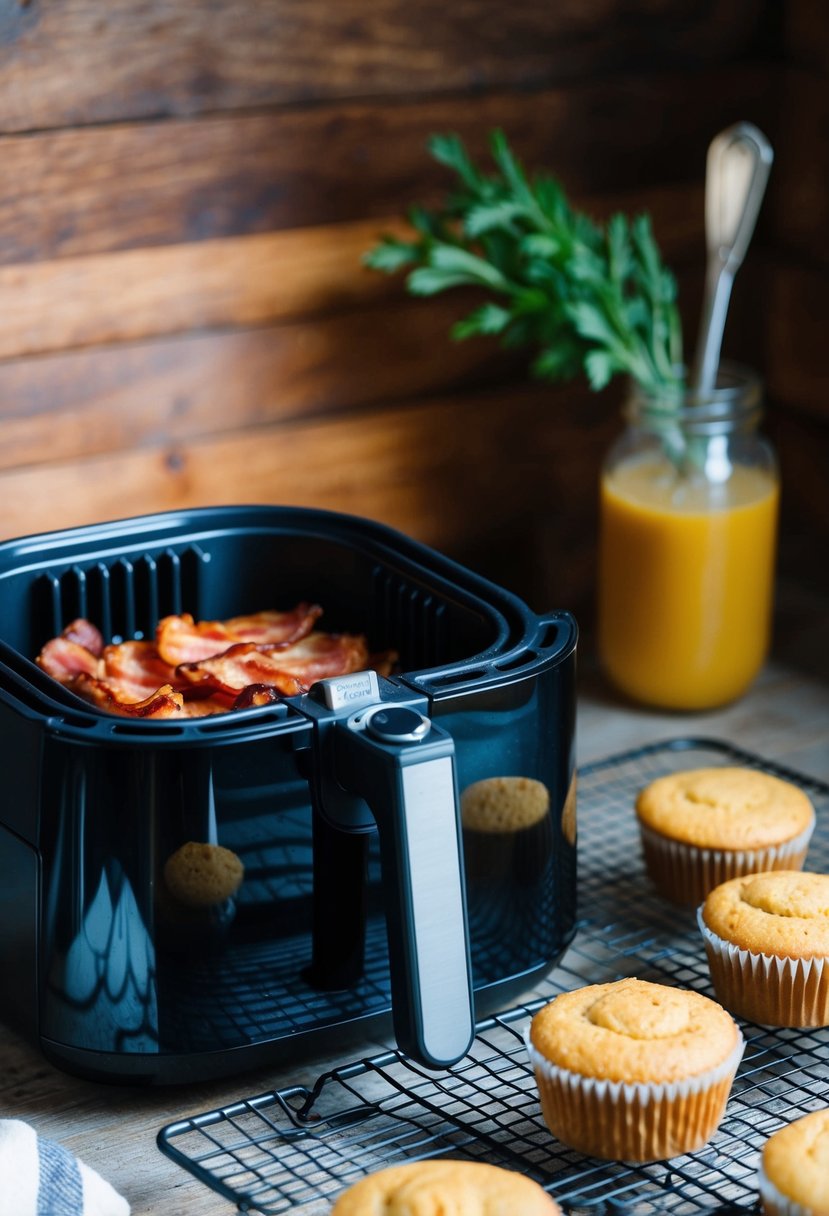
x,y
296,1148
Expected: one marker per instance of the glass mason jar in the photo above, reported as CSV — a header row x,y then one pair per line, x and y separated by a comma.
x,y
688,523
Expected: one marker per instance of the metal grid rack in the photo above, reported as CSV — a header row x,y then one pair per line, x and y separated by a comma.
x,y
295,1149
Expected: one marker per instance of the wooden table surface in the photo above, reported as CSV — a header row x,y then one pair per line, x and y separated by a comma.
x,y
785,717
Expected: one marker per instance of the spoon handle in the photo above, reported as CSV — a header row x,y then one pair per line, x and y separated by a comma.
x,y
737,170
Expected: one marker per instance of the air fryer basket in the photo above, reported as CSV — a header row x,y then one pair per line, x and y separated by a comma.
x,y
115,983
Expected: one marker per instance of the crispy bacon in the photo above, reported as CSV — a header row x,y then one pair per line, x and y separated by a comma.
x,y
235,668
320,655
165,702
179,639
137,668
63,660
256,694
291,668
242,662
85,634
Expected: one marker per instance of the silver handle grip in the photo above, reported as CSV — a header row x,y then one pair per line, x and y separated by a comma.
x,y
407,777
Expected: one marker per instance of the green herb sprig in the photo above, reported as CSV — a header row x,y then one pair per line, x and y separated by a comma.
x,y
588,298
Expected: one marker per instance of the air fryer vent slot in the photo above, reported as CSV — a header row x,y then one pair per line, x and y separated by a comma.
x,y
455,679
125,597
525,658
412,620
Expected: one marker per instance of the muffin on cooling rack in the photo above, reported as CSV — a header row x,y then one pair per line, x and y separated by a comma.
x,y
462,1188
767,941
704,826
633,1071
794,1168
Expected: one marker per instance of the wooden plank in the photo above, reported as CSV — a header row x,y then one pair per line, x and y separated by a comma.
x,y
504,480
802,446
806,33
450,472
169,390
249,280
102,399
78,193
140,293
79,62
795,335
798,201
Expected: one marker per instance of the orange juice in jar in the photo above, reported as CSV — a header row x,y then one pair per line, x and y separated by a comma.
x,y
688,520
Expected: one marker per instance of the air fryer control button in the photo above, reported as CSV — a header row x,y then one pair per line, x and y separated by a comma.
x,y
397,724
347,692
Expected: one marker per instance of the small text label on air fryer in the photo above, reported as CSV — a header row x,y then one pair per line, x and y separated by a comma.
x,y
350,692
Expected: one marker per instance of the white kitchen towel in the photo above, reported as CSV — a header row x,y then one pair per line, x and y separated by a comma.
x,y
38,1177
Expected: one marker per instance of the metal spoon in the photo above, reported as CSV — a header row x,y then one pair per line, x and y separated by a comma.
x,y
737,169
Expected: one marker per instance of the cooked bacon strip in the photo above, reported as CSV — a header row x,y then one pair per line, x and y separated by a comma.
x,y
244,662
85,634
179,639
291,669
165,702
257,694
137,669
64,659
236,668
320,655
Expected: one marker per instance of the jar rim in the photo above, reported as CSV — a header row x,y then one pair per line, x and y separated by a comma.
x,y
736,398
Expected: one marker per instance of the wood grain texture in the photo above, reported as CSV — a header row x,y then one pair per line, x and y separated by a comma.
x,y
187,273
403,453
794,324
798,202
802,445
171,388
479,474
141,394
805,29
249,280
102,189
79,62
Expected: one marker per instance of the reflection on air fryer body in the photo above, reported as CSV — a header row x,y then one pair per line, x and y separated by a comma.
x,y
137,967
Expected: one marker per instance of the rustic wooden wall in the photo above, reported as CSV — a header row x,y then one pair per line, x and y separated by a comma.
x,y
187,189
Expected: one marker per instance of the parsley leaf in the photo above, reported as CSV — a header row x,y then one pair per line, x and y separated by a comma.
x,y
590,299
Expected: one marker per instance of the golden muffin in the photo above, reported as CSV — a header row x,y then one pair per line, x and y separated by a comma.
x,y
704,826
445,1188
767,941
634,1071
794,1170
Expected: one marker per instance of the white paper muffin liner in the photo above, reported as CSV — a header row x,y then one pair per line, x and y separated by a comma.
x,y
633,1121
686,873
774,1202
771,989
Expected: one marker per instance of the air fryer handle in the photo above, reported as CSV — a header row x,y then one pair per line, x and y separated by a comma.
x,y
404,768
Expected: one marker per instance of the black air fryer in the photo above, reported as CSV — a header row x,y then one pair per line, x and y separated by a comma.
x,y
363,893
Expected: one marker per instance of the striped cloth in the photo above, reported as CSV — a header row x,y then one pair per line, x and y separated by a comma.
x,y
38,1177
